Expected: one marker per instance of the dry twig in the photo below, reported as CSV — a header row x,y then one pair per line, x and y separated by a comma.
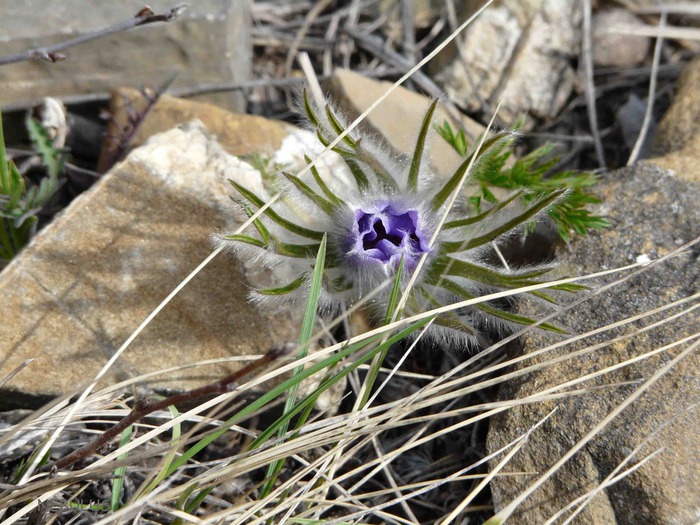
x,y
54,53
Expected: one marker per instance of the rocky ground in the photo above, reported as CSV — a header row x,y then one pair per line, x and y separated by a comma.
x,y
144,189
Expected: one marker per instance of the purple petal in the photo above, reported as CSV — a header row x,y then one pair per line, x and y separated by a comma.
x,y
385,233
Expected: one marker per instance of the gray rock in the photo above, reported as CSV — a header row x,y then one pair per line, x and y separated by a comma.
x,y
209,43
613,48
652,212
87,280
630,118
522,47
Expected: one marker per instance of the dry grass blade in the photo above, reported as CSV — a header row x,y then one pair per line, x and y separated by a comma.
x,y
521,441
16,371
587,55
652,93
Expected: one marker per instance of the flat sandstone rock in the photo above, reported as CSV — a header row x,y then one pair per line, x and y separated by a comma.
x,y
652,212
86,281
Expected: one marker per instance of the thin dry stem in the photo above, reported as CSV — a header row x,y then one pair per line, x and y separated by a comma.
x,y
54,53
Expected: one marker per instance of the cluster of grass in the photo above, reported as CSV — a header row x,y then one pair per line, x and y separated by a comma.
x,y
158,457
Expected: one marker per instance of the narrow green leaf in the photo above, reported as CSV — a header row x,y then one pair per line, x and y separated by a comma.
x,y
326,190
420,146
247,239
309,111
322,203
294,285
544,296
448,319
51,157
491,276
454,181
274,392
533,210
170,457
307,329
395,293
288,225
119,472
194,504
339,129
267,434
480,217
299,251
459,291
377,362
360,178
262,229
569,287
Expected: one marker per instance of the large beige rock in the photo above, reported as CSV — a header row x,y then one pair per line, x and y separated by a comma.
x,y
73,296
239,134
652,212
398,118
209,43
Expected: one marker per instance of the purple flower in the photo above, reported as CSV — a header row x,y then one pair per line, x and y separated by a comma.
x,y
378,210
385,232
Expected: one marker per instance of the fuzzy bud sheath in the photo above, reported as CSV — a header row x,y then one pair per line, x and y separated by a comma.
x,y
379,213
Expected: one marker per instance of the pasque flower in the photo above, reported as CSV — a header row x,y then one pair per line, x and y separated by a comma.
x,y
380,214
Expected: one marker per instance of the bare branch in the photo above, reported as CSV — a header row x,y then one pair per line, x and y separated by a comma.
x,y
144,407
54,53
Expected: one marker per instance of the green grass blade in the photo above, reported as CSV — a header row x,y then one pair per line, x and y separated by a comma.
x,y
172,452
310,400
118,481
307,329
377,362
268,397
420,146
395,294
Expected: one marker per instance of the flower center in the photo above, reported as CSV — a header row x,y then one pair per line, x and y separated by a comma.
x,y
387,235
